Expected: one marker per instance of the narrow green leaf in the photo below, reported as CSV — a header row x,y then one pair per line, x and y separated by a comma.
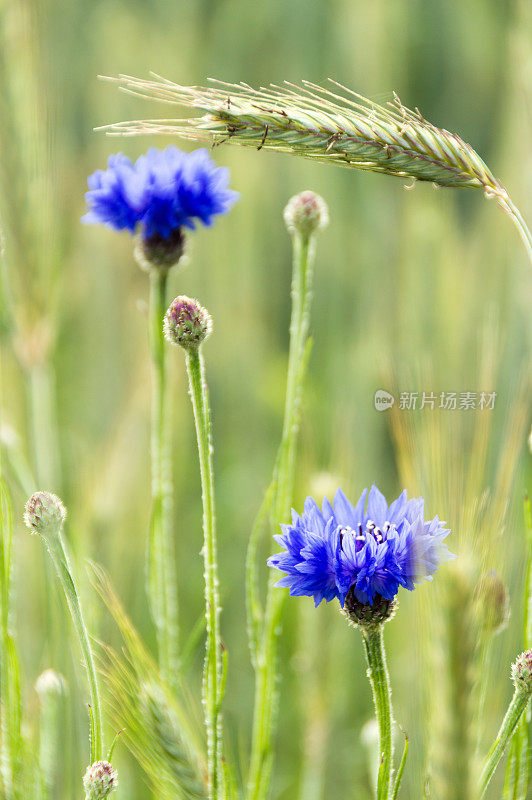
x,y
400,771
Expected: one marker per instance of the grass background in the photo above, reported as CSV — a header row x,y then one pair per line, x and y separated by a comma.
x,y
415,290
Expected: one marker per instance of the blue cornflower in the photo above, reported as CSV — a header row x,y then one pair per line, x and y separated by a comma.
x,y
370,549
163,191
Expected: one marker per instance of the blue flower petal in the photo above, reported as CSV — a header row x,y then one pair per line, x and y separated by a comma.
x,y
331,551
163,191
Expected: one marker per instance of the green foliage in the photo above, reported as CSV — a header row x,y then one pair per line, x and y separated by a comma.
x,y
517,779
155,725
12,744
433,282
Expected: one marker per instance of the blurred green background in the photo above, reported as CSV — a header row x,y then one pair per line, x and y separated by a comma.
x,y
415,291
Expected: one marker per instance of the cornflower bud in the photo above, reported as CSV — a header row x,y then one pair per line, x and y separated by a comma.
x,y
522,673
44,512
306,213
187,323
100,780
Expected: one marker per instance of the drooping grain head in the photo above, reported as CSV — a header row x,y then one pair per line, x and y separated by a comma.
x,y
335,127
338,126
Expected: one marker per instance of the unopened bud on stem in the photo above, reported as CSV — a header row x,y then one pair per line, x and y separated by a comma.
x,y
44,512
522,673
187,323
100,780
306,213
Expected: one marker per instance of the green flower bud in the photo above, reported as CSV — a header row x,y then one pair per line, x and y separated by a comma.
x,y
306,213
522,672
44,512
187,323
100,780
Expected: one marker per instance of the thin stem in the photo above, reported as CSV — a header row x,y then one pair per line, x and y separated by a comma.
x,y
265,706
382,698
511,209
213,667
509,724
56,548
162,582
47,471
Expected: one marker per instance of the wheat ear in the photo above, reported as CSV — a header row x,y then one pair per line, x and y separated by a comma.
x,y
333,125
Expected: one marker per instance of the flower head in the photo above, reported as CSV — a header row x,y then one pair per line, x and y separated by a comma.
x,y
100,780
187,323
162,192
367,550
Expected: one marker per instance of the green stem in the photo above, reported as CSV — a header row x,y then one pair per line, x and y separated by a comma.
x,y
382,698
56,548
265,705
47,471
511,209
213,668
506,731
162,582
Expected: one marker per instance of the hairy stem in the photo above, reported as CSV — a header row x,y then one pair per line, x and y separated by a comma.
x,y
56,548
265,706
516,708
212,674
382,698
162,583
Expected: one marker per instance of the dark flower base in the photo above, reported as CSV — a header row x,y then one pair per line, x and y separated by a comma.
x,y
163,253
364,615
